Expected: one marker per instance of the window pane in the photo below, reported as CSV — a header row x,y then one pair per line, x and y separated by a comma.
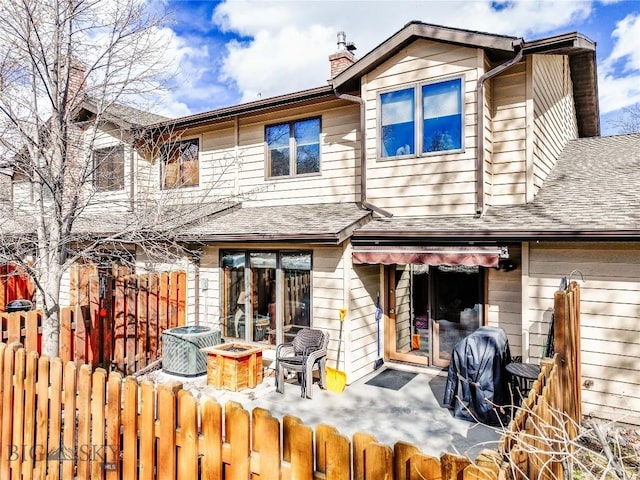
x,y
233,295
296,291
307,136
442,116
262,259
109,168
279,152
398,122
181,163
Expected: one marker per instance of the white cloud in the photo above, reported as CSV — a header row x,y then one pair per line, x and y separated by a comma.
x,y
619,82
289,42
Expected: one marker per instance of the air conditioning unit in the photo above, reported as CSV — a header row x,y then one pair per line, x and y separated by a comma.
x,y
181,346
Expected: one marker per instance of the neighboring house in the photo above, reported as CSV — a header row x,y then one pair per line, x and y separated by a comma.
x,y
457,176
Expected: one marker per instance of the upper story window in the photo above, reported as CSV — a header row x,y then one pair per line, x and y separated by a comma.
x,y
440,111
180,163
108,168
293,148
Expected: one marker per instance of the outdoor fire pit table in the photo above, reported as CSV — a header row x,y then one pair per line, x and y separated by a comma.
x,y
234,366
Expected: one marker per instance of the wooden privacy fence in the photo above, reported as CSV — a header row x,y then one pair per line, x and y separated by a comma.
x,y
120,327
59,421
539,438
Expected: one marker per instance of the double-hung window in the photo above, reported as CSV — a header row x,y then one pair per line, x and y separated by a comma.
x,y
440,124
180,163
108,168
293,148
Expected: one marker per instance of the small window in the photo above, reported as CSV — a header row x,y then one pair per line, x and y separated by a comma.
x,y
398,123
293,148
108,168
180,163
442,116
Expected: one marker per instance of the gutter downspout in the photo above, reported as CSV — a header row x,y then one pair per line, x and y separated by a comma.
x,y
363,154
480,112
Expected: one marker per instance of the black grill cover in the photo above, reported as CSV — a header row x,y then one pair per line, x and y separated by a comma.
x,y
477,379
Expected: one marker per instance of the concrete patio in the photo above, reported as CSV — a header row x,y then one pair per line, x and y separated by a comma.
x,y
413,414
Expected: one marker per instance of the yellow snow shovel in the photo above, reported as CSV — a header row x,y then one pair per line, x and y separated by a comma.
x,y
336,380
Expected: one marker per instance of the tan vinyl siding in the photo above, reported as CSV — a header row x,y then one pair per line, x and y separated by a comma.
x,y
554,115
504,301
610,316
338,179
430,185
365,284
508,161
327,290
232,160
108,200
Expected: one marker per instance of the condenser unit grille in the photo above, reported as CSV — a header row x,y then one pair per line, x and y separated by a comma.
x,y
181,346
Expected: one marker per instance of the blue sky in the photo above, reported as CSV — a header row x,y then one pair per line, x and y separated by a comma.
x,y
235,51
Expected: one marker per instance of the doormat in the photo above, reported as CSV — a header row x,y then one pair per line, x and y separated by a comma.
x,y
392,379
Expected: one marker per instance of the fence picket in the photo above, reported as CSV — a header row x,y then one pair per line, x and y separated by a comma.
x,y
378,461
84,449
238,432
147,431
360,442
130,334
55,419
15,462
338,453
267,429
92,317
130,428
41,419
301,451
167,432
119,323
68,451
402,451
419,467
98,402
28,440
112,465
187,461
211,440
142,320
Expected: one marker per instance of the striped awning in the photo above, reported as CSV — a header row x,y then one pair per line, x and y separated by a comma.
x,y
399,255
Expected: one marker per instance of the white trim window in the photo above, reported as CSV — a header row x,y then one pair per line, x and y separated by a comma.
x,y
293,148
440,111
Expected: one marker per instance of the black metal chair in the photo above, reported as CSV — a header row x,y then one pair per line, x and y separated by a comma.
x,y
304,355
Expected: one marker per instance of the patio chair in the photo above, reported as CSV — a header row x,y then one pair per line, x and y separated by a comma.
x,y
305,354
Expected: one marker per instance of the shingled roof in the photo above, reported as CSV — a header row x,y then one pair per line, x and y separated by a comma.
x,y
328,223
593,192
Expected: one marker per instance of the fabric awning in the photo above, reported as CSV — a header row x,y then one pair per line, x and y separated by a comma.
x,y
468,256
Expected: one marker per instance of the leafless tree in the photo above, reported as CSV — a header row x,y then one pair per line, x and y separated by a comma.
x,y
629,122
57,57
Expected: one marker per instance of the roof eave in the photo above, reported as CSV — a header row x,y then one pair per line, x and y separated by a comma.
x,y
316,239
497,235
416,30
249,108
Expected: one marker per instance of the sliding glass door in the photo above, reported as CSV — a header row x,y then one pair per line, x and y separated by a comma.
x,y
279,299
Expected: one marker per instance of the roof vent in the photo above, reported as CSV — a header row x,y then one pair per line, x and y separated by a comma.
x,y
181,346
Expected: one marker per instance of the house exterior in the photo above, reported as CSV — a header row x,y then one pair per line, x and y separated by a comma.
x,y
452,177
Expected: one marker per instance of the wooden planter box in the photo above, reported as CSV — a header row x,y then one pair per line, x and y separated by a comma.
x,y
234,366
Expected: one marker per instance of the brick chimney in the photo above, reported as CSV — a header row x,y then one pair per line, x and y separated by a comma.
x,y
77,82
344,57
